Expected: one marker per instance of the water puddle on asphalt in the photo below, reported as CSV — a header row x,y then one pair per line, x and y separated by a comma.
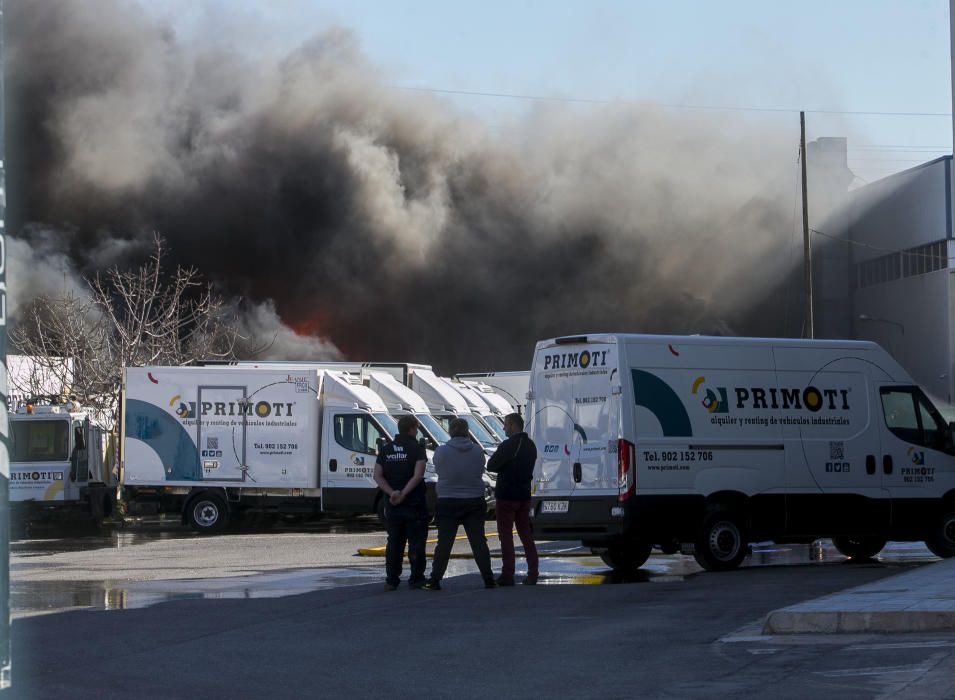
x,y
40,597
561,563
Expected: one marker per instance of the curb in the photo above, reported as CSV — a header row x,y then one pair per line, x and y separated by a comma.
x,y
835,622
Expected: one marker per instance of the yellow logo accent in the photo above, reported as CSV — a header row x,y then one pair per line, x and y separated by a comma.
x,y
54,490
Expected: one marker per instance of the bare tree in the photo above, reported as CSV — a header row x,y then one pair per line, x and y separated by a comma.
x,y
135,317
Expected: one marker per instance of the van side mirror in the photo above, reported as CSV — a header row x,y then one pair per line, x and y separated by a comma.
x,y
381,442
423,442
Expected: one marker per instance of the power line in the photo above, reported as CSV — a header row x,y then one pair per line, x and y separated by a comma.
x,y
715,108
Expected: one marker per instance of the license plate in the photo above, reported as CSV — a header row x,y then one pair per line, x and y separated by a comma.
x,y
555,506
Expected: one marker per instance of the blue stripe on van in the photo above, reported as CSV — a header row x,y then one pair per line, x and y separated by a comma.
x,y
656,396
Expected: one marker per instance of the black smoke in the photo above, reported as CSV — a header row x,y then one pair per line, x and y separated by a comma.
x,y
383,223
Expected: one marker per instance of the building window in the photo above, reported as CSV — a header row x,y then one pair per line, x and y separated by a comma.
x,y
919,260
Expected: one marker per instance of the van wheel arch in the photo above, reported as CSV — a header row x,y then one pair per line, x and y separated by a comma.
x,y
734,501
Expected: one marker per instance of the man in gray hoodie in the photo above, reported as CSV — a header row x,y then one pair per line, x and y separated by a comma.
x,y
459,464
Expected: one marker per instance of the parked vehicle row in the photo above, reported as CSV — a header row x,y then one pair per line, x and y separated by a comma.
x,y
690,444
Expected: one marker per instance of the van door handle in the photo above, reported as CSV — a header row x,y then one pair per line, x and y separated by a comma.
x,y
887,464
333,465
870,464
578,472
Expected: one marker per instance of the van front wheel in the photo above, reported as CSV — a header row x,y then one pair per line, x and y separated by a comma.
x,y
626,557
721,544
858,547
941,539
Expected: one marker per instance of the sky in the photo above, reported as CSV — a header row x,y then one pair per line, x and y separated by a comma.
x,y
558,154
821,56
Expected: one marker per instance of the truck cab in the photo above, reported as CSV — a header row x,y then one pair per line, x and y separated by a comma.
x,y
57,460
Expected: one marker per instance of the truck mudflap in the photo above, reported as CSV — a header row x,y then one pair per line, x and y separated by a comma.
x,y
584,518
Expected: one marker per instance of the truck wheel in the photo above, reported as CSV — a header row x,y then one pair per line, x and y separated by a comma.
x,y
625,558
856,547
941,539
721,543
207,512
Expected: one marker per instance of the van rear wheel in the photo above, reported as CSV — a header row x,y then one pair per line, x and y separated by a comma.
x,y
626,557
856,547
207,512
721,543
941,539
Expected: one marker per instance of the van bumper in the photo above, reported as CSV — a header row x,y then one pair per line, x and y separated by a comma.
x,y
588,518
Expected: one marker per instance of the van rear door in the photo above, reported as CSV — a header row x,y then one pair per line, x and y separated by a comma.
x,y
575,416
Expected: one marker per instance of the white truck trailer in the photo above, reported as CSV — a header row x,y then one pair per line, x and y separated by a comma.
x,y
58,462
212,442
706,444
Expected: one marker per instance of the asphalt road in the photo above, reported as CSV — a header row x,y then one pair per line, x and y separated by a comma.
x,y
286,613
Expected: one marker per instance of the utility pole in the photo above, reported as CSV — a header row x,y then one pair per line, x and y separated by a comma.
x,y
809,332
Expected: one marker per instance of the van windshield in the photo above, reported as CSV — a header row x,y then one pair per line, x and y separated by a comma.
x,y
433,428
40,441
481,434
387,423
496,426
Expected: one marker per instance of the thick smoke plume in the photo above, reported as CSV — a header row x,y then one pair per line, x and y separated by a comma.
x,y
382,223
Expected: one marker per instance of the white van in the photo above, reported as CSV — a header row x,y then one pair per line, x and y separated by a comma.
x,y
705,444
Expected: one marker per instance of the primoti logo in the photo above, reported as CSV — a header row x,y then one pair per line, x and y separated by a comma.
x,y
181,408
810,398
714,400
260,409
917,456
576,360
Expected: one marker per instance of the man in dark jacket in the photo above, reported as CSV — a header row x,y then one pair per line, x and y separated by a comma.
x,y
459,464
514,463
399,473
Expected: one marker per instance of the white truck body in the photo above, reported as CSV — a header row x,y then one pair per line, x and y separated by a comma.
x,y
481,408
401,399
446,403
497,403
513,386
58,460
643,438
290,440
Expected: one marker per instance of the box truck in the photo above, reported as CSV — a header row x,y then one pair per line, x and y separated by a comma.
x,y
212,442
705,444
58,462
